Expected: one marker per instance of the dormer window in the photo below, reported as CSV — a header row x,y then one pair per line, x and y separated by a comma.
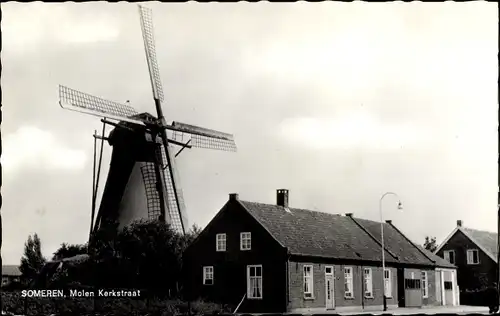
x,y
220,242
245,241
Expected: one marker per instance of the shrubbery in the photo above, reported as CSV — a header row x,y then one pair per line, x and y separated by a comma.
x,y
145,255
13,302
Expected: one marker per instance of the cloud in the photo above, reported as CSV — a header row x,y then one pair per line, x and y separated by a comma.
x,y
28,26
350,131
33,148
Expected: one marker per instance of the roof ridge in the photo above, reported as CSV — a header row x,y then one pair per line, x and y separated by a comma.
x,y
293,208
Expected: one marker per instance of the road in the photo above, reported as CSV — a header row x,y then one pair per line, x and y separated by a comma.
x,y
460,310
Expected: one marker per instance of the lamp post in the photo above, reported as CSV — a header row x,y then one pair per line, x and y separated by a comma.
x,y
400,206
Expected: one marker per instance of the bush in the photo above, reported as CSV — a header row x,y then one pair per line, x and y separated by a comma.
x,y
13,302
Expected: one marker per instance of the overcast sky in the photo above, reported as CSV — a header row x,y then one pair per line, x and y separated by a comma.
x,y
338,102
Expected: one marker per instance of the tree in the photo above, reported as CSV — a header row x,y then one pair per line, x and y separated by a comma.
x,y
68,251
151,253
430,243
32,261
145,255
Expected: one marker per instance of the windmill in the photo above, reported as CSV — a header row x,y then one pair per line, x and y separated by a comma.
x,y
142,181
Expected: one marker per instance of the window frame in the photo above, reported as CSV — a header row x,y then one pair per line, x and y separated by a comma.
x,y
447,252
309,281
368,277
205,274
245,236
389,283
349,281
256,277
223,242
425,284
472,251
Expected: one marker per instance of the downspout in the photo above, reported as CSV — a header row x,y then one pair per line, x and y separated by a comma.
x,y
498,246
362,273
287,289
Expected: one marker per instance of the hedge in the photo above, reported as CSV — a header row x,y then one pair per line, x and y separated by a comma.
x,y
13,302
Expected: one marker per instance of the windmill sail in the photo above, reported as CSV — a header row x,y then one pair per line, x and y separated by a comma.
x,y
201,137
174,198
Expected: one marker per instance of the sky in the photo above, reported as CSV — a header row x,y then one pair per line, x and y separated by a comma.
x,y
337,102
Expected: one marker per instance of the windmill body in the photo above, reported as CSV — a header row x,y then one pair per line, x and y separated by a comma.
x,y
143,181
130,193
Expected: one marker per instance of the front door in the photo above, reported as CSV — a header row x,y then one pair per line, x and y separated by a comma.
x,y
329,288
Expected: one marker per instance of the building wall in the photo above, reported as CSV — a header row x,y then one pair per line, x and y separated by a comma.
x,y
470,277
298,303
230,267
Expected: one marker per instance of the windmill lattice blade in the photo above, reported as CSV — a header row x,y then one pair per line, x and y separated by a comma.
x,y
205,142
150,48
203,137
178,217
84,102
213,143
196,130
152,198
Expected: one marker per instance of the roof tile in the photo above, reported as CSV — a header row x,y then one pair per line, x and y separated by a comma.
x,y
11,270
395,242
312,233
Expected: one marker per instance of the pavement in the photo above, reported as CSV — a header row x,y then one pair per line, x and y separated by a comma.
x,y
459,310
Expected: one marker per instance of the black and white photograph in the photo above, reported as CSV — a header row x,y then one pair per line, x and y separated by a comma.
x,y
249,158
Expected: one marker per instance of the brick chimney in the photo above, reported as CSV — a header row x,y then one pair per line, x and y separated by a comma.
x,y
282,197
349,214
233,196
459,223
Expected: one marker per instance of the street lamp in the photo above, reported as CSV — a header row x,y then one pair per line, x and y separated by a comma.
x,y
400,207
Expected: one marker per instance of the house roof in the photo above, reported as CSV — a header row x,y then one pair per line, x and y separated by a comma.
x,y
11,270
486,241
311,233
440,262
396,242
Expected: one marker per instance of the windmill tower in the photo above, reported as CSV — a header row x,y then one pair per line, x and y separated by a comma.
x,y
142,181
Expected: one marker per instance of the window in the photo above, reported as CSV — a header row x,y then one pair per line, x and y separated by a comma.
x,y
221,242
448,285
472,256
449,255
348,284
425,285
245,241
308,281
387,283
412,284
254,282
208,275
368,282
